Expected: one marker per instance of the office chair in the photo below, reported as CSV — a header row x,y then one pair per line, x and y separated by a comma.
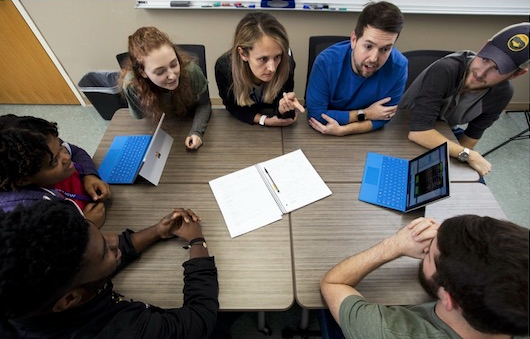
x,y
328,326
420,60
316,45
198,52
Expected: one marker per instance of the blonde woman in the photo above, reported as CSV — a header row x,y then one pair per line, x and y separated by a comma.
x,y
255,77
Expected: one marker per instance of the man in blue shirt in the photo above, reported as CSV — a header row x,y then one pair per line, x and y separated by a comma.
x,y
355,86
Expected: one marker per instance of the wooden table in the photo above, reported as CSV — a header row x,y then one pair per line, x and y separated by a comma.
x,y
473,198
342,159
255,269
228,145
334,228
339,226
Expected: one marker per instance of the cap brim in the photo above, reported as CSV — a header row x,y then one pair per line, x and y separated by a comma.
x,y
504,63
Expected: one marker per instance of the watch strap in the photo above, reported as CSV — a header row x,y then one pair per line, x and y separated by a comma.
x,y
361,116
196,241
262,119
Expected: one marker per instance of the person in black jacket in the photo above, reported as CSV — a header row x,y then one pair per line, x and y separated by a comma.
x,y
55,269
255,77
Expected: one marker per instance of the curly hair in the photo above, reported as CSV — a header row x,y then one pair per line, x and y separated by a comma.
x,y
23,148
141,44
483,264
253,27
41,252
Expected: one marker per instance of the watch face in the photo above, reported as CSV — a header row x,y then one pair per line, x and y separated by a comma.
x,y
360,116
463,156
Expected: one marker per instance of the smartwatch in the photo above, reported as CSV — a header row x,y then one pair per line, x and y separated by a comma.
x,y
464,155
262,119
360,115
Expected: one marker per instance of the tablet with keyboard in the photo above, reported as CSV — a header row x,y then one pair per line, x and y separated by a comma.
x,y
405,185
132,155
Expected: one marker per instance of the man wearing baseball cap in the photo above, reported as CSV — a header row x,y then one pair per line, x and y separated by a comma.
x,y
467,88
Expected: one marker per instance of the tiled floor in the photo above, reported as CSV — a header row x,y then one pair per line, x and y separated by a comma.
x,y
509,181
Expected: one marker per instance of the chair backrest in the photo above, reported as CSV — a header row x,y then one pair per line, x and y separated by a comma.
x,y
329,329
316,45
196,51
419,60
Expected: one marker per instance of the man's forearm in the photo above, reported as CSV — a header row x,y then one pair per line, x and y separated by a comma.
x,y
432,138
353,269
412,240
340,281
357,127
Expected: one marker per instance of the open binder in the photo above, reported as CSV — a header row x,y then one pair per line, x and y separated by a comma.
x,y
259,195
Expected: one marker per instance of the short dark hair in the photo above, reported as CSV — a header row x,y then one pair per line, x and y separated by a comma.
x,y
41,251
380,15
483,264
23,148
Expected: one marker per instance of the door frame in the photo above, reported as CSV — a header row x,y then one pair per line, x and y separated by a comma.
x,y
49,51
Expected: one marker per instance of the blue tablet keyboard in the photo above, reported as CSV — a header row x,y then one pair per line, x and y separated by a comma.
x,y
393,182
124,158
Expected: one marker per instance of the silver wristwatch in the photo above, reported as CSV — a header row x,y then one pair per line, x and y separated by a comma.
x,y
464,155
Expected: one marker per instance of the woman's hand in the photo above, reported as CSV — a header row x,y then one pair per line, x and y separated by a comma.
x,y
193,142
288,103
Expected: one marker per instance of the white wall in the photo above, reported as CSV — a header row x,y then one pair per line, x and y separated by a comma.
x,y
86,35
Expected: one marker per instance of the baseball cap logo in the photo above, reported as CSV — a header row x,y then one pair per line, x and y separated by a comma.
x,y
518,42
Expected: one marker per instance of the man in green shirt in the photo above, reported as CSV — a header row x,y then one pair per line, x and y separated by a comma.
x,y
476,269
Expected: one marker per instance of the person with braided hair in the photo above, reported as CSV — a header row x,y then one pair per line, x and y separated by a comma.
x,y
36,164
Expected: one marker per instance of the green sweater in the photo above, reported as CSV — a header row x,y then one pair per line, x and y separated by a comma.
x,y
199,87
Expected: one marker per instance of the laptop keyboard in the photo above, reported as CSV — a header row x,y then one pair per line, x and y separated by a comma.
x,y
127,166
393,182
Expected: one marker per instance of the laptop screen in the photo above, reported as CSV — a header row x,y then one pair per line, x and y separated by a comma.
x,y
428,177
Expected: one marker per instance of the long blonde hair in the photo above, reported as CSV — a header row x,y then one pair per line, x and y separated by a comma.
x,y
141,43
250,30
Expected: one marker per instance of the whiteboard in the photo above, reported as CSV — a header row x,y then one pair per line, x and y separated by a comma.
x,y
469,7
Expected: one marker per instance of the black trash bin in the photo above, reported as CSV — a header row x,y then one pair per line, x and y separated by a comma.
x,y
101,88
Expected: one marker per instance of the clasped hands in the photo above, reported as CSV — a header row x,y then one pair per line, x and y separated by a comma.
x,y
182,223
414,239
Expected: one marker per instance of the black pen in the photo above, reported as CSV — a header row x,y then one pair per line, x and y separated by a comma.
x,y
273,183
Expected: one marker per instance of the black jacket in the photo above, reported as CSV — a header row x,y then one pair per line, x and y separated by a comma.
x,y
223,77
108,316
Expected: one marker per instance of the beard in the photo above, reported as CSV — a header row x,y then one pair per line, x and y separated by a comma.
x,y
429,286
359,67
474,83
361,71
